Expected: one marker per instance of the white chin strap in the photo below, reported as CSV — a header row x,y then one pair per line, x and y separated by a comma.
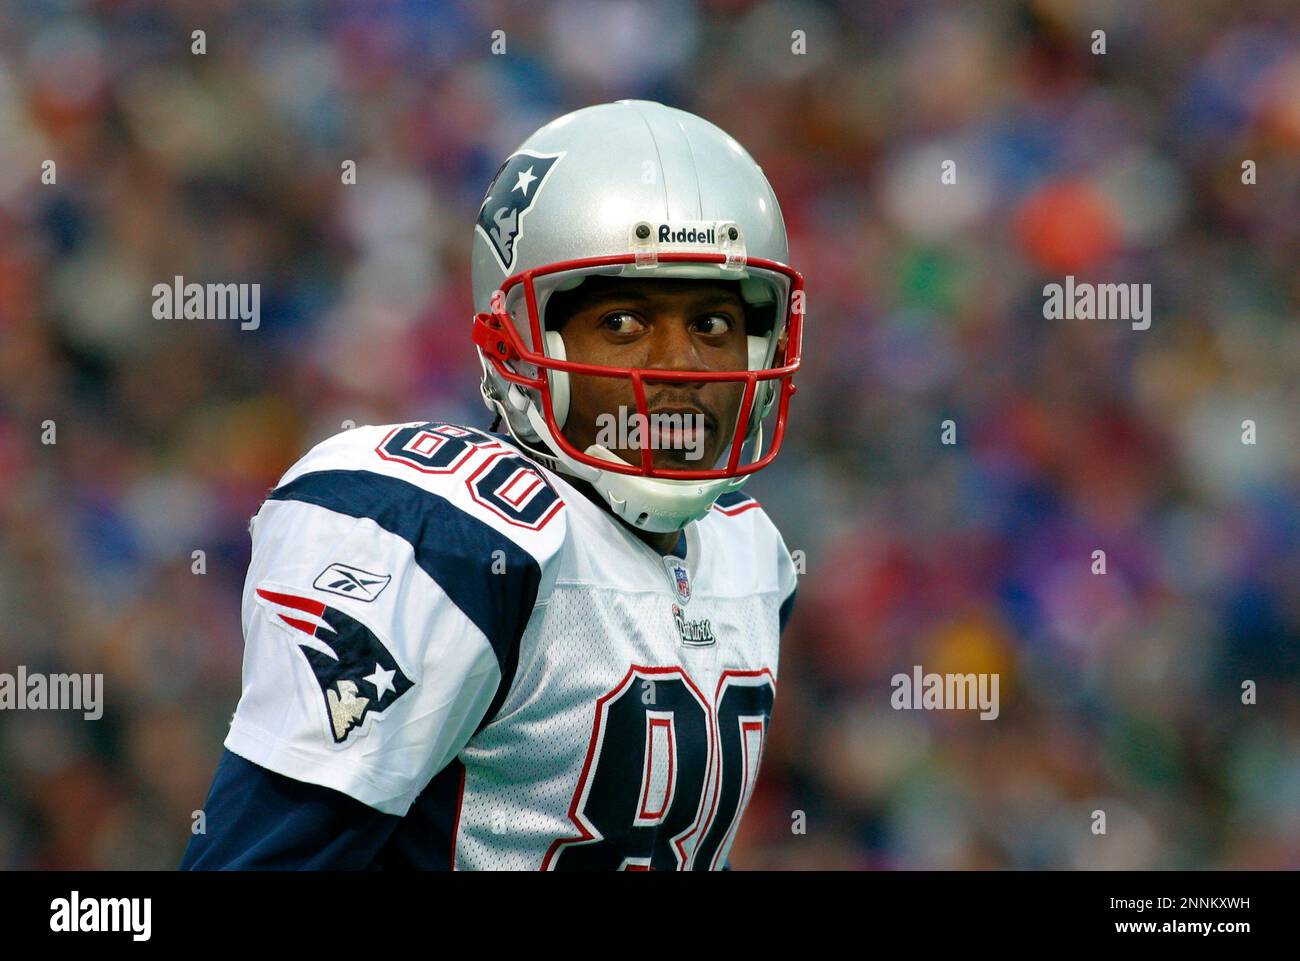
x,y
646,503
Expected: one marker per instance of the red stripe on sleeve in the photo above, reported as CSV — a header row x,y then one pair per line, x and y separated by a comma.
x,y
291,600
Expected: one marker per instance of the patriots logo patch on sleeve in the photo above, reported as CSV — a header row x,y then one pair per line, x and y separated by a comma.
x,y
356,673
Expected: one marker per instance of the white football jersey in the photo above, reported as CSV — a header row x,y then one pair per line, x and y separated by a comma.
x,y
447,631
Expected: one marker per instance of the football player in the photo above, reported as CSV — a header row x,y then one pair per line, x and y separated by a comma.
x,y
552,646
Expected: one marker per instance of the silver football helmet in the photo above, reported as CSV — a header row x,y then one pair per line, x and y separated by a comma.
x,y
631,189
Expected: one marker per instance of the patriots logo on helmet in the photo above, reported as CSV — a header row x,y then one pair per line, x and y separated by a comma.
x,y
356,673
511,195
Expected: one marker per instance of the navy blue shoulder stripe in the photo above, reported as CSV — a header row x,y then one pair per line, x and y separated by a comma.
x,y
452,547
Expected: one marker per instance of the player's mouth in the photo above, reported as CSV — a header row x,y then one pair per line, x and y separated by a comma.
x,y
681,429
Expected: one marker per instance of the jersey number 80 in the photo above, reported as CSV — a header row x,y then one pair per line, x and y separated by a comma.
x,y
676,803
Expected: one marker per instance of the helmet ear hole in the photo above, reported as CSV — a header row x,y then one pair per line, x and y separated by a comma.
x,y
558,379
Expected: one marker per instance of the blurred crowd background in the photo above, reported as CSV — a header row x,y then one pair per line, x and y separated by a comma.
x,y
1120,692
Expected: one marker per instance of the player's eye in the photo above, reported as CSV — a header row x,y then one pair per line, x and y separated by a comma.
x,y
714,324
621,322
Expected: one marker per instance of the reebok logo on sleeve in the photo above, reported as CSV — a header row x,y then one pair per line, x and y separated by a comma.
x,y
348,581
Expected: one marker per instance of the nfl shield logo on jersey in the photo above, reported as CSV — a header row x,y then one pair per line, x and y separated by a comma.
x,y
680,578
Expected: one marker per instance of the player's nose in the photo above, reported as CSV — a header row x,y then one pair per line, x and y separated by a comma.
x,y
671,346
